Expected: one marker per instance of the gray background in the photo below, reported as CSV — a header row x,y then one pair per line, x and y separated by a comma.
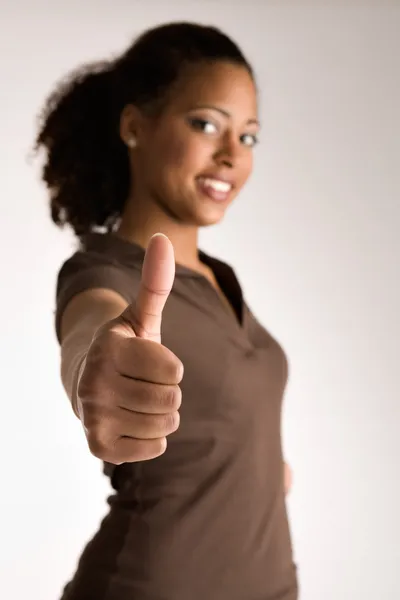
x,y
314,239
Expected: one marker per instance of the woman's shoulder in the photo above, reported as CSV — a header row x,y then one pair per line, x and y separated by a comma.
x,y
106,249
101,256
100,261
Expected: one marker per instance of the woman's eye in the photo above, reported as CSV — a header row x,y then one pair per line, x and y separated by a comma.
x,y
249,140
203,125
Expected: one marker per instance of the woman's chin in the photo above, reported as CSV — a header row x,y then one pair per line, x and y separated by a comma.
x,y
210,213
208,218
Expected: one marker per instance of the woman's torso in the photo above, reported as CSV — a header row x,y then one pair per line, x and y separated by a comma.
x,y
208,518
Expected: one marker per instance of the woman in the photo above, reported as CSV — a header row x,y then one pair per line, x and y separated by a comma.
x,y
161,140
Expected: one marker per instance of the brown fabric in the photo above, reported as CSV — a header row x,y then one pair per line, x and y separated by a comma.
x,y
207,520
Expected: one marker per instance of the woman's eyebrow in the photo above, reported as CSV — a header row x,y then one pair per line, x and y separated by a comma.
x,y
224,112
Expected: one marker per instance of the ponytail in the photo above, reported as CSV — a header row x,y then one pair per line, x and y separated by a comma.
x,y
86,168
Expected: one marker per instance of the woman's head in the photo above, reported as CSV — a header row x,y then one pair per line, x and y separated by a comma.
x,y
175,111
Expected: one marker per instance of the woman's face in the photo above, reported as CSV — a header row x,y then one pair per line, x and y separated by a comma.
x,y
194,159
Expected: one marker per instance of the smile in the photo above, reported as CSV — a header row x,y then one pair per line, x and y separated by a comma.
x,y
214,189
216,184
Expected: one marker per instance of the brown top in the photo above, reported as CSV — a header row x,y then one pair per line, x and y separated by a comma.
x,y
207,520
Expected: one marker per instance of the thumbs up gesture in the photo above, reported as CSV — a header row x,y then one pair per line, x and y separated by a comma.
x,y
128,392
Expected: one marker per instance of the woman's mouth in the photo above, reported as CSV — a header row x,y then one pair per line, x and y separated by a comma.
x,y
216,189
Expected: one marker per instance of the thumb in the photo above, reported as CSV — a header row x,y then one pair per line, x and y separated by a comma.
x,y
158,274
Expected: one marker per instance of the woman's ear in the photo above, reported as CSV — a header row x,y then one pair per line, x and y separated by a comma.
x,y
129,125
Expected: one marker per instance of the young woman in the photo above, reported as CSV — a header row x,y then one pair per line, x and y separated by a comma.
x,y
157,342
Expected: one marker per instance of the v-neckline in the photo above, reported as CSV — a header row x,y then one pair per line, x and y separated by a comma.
x,y
224,276
215,284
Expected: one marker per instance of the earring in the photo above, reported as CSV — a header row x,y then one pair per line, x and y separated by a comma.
x,y
132,142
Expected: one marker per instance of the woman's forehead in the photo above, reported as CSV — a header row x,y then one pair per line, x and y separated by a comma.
x,y
222,85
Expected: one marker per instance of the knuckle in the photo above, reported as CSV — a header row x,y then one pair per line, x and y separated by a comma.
x,y
90,383
91,414
97,388
173,397
150,449
177,420
177,397
95,442
160,446
177,371
171,421
172,366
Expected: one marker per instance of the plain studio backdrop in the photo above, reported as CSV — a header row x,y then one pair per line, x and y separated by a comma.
x,y
315,241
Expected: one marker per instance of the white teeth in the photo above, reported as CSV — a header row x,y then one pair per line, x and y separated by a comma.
x,y
217,185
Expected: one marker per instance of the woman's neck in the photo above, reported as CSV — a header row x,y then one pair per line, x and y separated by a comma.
x,y
139,225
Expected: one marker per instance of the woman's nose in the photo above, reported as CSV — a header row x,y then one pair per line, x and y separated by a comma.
x,y
227,153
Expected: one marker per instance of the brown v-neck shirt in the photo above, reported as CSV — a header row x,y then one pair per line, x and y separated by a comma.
x,y
207,520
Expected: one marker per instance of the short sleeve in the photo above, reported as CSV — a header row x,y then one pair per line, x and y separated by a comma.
x,y
84,271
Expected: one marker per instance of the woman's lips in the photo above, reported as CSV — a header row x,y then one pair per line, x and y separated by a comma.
x,y
216,189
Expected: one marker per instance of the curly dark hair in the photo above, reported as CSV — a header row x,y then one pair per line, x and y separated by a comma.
x,y
86,169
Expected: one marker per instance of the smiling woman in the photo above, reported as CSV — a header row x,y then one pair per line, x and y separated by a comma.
x,y
157,341
181,91
203,140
